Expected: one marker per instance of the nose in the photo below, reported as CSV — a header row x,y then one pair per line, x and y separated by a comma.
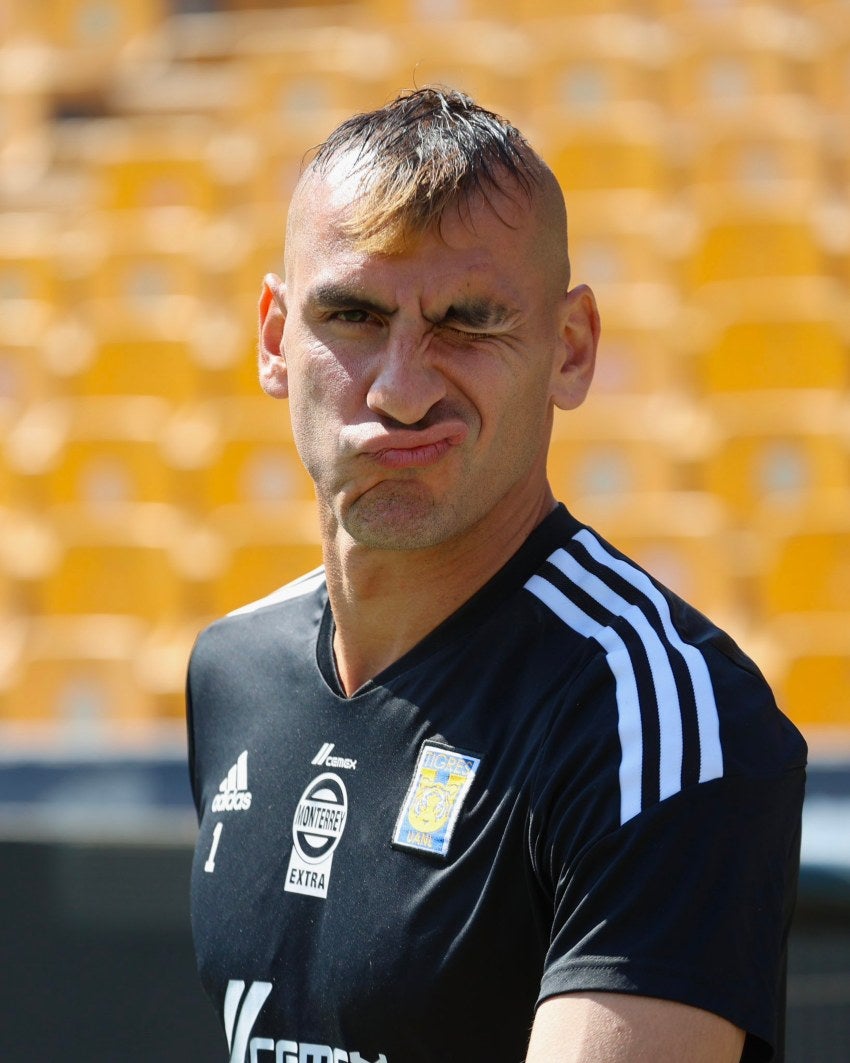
x,y
406,384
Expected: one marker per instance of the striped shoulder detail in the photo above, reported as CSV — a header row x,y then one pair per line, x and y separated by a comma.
x,y
667,718
305,584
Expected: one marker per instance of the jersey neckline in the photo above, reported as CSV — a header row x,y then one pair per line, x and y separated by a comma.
x,y
545,538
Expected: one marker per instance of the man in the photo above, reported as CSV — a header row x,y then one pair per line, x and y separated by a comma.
x,y
479,778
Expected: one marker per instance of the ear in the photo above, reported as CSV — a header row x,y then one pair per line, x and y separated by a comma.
x,y
272,309
579,329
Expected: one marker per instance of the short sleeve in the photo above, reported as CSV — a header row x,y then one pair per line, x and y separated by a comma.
x,y
690,901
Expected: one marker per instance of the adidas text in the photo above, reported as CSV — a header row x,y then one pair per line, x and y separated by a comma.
x,y
231,802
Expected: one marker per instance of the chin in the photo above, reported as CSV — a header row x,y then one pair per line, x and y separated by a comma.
x,y
401,519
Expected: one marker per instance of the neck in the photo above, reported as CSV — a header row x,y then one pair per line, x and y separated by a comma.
x,y
386,601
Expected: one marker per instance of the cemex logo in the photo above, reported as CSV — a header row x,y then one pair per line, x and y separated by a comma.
x,y
241,1010
323,757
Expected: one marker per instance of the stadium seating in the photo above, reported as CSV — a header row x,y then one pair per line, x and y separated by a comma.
x,y
754,246
810,667
607,153
93,452
76,674
771,353
146,155
776,452
805,566
254,461
730,55
263,550
616,447
119,562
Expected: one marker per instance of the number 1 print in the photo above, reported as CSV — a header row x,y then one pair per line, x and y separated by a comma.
x,y
209,866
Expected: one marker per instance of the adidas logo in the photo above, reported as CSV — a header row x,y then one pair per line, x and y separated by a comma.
x,y
234,795
324,757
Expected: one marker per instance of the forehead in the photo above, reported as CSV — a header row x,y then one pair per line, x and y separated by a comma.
x,y
477,242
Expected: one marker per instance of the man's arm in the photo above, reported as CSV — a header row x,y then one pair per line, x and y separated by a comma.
x,y
618,1028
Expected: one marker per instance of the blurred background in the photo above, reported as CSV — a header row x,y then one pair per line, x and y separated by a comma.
x,y
147,152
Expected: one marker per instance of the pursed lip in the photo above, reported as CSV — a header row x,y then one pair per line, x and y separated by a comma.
x,y
414,448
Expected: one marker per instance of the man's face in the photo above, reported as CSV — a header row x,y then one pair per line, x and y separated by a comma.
x,y
421,384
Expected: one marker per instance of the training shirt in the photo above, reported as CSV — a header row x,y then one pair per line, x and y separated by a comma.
x,y
576,782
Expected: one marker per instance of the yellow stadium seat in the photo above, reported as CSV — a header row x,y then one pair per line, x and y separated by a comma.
x,y
582,63
159,667
139,281
608,468
240,452
143,365
608,153
224,346
259,225
91,26
615,447
421,52
28,271
634,359
311,81
243,246
811,673
619,245
769,154
96,452
78,674
263,551
805,564
739,247
24,379
832,73
260,472
122,562
29,550
639,346
783,351
151,163
777,452
728,56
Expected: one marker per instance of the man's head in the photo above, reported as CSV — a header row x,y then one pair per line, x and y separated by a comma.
x,y
426,329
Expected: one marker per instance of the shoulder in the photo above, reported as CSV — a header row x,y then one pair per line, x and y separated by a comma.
x,y
665,700
298,589
287,613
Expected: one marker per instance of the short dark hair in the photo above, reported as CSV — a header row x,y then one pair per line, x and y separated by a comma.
x,y
425,150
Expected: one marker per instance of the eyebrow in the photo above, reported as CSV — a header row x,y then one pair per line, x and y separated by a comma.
x,y
339,297
477,314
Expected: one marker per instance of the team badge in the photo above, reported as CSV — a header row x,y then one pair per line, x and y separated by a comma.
x,y
434,799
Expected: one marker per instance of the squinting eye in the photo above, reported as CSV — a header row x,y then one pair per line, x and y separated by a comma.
x,y
352,317
470,337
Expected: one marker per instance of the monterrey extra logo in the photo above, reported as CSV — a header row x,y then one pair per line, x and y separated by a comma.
x,y
317,827
320,818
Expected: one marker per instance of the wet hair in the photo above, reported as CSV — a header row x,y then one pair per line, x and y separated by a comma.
x,y
421,153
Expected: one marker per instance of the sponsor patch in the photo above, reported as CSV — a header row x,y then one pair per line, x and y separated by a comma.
x,y
317,827
434,799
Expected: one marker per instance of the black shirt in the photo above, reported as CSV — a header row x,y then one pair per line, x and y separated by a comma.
x,y
576,782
